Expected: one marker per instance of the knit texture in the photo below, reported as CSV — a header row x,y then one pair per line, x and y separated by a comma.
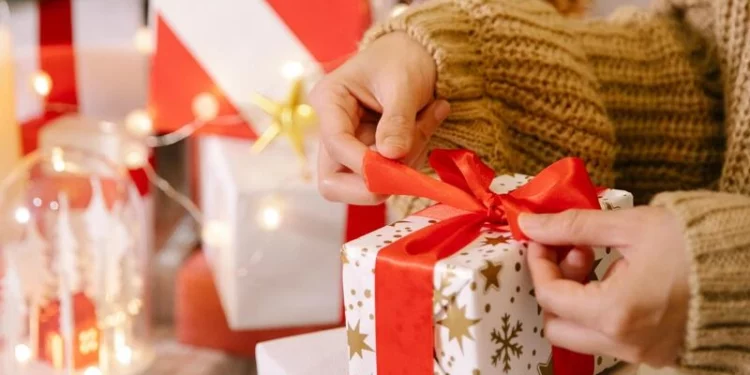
x,y
653,101
717,229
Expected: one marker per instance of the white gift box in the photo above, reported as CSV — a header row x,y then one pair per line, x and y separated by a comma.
x,y
310,354
270,238
486,319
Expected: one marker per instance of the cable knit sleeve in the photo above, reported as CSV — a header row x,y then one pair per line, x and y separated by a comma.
x,y
717,228
528,86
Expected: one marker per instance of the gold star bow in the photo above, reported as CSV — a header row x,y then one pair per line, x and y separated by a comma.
x,y
289,118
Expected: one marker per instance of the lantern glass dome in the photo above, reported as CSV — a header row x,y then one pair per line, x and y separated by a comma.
x,y
73,268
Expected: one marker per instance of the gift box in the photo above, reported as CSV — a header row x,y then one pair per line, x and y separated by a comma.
x,y
200,320
315,353
268,237
447,289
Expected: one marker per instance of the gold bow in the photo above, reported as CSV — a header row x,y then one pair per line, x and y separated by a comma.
x,y
290,118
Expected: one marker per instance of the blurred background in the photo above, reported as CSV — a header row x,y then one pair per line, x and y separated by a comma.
x,y
197,164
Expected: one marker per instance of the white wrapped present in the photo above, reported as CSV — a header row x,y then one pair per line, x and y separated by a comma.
x,y
310,354
466,312
269,236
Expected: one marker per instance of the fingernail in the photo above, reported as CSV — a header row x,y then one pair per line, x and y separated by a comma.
x,y
442,110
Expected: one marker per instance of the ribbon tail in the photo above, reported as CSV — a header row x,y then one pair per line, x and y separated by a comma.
x,y
404,287
390,177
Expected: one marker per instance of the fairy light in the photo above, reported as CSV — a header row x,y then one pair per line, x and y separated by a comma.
x,y
58,163
23,353
42,83
92,371
135,155
292,70
143,41
123,352
138,123
399,9
270,214
215,233
205,107
22,215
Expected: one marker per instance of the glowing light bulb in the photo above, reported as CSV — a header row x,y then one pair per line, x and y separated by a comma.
x,y
398,9
92,371
42,83
124,355
139,123
135,155
22,215
215,233
23,353
292,70
305,111
58,163
270,213
205,107
143,41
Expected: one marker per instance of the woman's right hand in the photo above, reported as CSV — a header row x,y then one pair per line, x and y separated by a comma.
x,y
383,98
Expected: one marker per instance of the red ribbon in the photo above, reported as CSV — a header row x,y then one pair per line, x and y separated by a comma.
x,y
404,277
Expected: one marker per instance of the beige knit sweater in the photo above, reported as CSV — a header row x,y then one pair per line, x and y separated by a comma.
x,y
656,102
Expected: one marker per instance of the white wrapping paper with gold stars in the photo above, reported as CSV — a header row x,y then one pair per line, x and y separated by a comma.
x,y
486,318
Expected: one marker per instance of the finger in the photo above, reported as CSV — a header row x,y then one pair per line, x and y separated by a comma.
x,y
337,110
566,334
579,227
428,120
577,264
567,299
335,183
365,133
395,132
615,268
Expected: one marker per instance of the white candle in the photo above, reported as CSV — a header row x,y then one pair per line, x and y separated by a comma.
x,y
10,140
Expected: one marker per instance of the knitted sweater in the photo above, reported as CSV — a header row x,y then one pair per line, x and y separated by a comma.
x,y
656,102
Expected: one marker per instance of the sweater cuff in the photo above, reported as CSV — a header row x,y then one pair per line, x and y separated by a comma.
x,y
717,232
448,33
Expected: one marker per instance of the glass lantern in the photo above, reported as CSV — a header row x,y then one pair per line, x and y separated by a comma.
x,y
72,268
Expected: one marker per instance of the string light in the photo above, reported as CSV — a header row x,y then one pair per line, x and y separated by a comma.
x,y
139,124
22,215
269,215
42,83
143,41
205,107
292,70
215,233
92,371
135,155
23,353
58,163
399,9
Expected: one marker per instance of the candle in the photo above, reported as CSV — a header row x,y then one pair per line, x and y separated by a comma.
x,y
10,140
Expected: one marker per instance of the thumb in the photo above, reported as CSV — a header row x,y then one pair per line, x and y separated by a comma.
x,y
394,136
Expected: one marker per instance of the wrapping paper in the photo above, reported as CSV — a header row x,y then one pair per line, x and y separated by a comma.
x,y
486,319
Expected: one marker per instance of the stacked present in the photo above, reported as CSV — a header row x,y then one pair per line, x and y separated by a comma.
x,y
447,290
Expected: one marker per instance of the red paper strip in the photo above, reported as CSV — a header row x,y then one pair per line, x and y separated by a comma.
x,y
404,269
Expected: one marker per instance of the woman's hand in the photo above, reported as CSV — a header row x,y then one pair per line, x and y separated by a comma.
x,y
383,98
638,312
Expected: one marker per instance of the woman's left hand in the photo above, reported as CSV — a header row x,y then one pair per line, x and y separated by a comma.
x,y
638,312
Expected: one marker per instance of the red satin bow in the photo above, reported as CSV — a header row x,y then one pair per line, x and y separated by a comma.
x,y
404,269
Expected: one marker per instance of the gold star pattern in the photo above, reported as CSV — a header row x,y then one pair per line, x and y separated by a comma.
x,y
592,276
438,298
457,323
491,274
356,340
289,118
494,241
546,368
344,257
